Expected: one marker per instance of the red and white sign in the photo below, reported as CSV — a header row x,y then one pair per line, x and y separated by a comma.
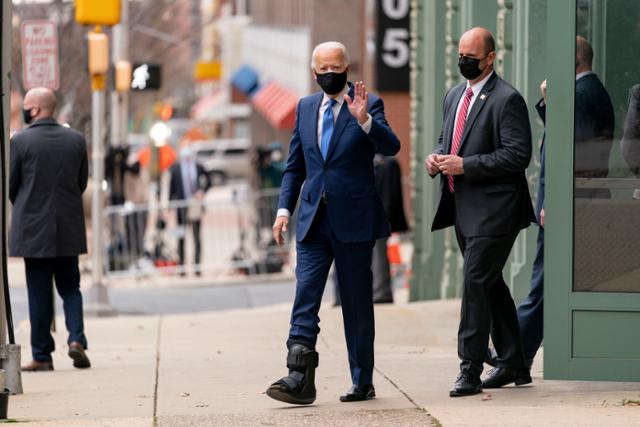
x,y
40,66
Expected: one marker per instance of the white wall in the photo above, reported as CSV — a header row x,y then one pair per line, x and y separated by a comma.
x,y
281,55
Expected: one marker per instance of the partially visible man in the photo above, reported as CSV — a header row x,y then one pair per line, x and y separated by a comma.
x,y
189,182
336,134
594,123
482,153
48,174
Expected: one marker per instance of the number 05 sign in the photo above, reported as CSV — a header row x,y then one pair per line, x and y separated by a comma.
x,y
393,45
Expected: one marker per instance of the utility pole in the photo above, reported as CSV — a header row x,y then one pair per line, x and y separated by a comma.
x,y
105,12
9,351
98,299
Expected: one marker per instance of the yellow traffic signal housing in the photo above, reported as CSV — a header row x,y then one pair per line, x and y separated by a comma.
x,y
123,76
98,12
207,70
98,46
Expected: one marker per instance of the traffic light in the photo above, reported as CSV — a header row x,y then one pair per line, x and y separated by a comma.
x,y
98,46
98,12
122,71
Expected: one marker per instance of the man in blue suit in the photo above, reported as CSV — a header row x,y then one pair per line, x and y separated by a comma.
x,y
337,133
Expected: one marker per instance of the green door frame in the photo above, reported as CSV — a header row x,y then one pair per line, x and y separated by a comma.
x,y
603,316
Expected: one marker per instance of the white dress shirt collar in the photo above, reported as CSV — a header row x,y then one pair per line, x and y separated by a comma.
x,y
582,74
477,88
339,98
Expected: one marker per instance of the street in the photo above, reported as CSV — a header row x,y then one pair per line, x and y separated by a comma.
x,y
172,300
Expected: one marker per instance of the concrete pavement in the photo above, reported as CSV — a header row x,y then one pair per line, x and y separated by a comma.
x,y
211,369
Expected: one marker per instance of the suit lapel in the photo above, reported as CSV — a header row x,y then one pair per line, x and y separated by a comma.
x,y
451,118
343,118
479,103
311,116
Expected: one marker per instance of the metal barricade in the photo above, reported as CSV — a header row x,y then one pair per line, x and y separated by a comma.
x,y
229,233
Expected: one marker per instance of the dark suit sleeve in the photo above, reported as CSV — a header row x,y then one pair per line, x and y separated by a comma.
x,y
439,148
295,172
514,153
630,142
83,174
385,141
203,177
15,170
541,108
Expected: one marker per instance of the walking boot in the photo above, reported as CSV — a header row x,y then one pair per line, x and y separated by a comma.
x,y
298,388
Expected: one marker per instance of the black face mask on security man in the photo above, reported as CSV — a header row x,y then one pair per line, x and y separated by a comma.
x,y
26,115
470,67
332,83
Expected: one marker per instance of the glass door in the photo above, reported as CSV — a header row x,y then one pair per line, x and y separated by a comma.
x,y
592,270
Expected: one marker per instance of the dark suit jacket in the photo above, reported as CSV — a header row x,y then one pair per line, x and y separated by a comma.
x,y
541,108
48,174
594,123
630,143
353,205
389,186
492,196
176,190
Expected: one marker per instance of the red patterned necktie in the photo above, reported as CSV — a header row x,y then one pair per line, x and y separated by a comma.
x,y
457,134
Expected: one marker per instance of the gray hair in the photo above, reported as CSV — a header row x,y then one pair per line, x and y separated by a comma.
x,y
329,45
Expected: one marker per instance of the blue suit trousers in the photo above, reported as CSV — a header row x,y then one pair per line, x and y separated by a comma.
x,y
40,273
316,252
530,311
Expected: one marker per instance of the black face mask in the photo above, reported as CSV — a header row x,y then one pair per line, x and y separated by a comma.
x,y
469,67
26,115
332,83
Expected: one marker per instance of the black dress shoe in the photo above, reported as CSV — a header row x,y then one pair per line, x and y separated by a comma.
x,y
499,377
359,392
466,385
80,359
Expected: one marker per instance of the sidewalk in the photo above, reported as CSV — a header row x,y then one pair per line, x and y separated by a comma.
x,y
211,369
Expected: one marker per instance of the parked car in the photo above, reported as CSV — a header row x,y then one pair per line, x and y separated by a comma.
x,y
225,159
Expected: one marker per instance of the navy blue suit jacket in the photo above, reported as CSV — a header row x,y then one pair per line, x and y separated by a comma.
x,y
346,177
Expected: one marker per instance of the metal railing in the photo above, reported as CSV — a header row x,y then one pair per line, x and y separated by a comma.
x,y
234,233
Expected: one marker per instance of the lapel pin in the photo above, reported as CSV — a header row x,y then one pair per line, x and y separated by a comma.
x,y
482,97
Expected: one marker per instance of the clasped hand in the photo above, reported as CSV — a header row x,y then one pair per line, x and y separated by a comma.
x,y
448,164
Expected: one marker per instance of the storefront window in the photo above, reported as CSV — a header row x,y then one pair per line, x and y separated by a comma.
x,y
607,147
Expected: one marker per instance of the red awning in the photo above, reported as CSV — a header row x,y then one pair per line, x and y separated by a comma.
x,y
277,105
211,107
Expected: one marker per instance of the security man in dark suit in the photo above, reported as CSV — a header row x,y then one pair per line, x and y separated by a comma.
x,y
48,174
594,123
482,153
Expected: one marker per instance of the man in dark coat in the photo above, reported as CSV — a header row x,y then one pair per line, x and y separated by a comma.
x,y
189,182
48,174
482,153
389,187
594,123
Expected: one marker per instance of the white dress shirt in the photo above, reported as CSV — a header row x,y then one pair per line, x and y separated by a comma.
x,y
476,88
189,172
366,126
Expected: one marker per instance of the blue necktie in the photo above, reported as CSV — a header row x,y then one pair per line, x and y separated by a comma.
x,y
327,128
